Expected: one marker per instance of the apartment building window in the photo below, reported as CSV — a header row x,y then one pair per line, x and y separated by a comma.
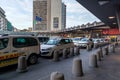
x,y
55,22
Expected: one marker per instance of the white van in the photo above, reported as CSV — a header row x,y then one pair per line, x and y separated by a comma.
x,y
13,46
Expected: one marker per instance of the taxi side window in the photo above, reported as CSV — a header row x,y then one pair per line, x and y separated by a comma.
x,y
24,42
20,42
70,40
32,42
65,41
62,41
3,43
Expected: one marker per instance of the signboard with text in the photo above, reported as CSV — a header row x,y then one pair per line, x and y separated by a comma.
x,y
114,31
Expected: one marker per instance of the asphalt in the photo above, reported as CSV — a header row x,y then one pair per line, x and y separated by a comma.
x,y
109,68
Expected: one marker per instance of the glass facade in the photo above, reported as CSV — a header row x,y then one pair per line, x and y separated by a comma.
x,y
3,25
56,22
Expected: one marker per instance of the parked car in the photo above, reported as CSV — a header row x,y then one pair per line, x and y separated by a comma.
x,y
96,42
76,40
86,41
13,46
102,41
49,47
107,40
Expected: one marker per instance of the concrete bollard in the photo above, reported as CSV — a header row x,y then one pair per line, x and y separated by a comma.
x,y
71,51
98,56
79,50
113,48
95,46
101,52
57,76
106,51
22,64
116,43
64,53
56,55
110,48
77,69
88,48
93,61
76,50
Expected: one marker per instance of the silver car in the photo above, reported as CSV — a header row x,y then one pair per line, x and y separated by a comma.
x,y
76,40
48,48
96,42
86,41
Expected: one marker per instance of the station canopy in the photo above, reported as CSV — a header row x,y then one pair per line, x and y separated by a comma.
x,y
105,10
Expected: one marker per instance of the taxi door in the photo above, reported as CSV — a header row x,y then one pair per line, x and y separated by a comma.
x,y
5,52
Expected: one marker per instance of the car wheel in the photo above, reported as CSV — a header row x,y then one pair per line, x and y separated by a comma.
x,y
33,59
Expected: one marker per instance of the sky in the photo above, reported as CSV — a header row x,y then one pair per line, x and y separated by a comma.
x,y
20,13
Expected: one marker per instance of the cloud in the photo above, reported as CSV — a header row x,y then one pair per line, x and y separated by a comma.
x,y
20,12
26,4
77,14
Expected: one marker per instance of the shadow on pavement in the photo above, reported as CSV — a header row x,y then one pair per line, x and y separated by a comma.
x,y
8,69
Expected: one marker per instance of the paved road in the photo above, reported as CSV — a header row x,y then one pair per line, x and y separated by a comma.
x,y
45,67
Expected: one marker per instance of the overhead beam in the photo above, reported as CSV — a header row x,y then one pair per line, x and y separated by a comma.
x,y
118,15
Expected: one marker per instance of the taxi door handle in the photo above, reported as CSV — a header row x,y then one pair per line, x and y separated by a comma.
x,y
14,51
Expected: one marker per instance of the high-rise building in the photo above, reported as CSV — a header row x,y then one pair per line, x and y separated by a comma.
x,y
9,26
63,16
3,20
48,14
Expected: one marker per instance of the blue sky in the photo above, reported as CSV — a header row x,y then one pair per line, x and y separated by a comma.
x,y
19,13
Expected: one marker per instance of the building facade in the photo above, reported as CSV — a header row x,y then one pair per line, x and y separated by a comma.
x,y
3,20
40,10
9,26
50,13
63,16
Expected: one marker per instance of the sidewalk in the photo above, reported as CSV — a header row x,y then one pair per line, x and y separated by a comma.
x,y
109,68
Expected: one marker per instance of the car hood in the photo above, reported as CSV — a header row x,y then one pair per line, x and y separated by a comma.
x,y
83,42
45,46
75,41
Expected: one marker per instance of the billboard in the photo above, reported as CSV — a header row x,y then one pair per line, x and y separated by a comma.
x,y
114,31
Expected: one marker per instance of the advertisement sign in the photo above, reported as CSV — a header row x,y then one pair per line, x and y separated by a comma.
x,y
114,31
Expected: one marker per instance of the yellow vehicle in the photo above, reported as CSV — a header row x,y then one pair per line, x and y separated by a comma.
x,y
13,46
